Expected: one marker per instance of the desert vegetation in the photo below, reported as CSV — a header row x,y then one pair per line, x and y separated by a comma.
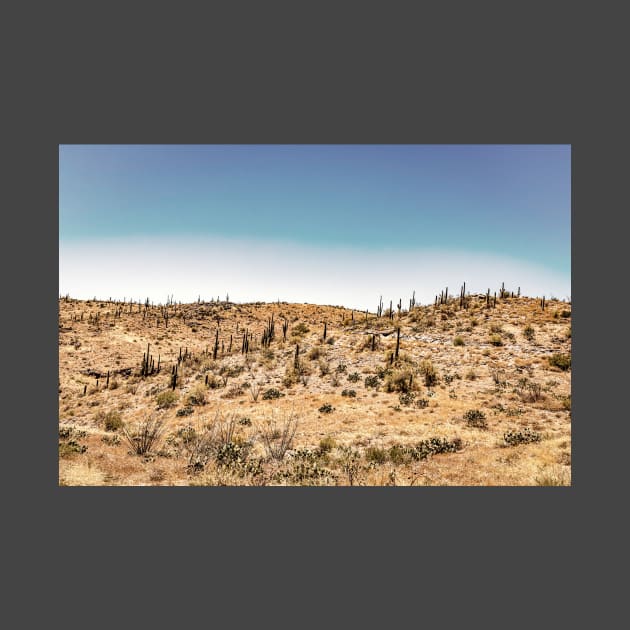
x,y
472,389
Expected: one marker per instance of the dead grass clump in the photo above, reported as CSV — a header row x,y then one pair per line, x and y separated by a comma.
x,y
399,381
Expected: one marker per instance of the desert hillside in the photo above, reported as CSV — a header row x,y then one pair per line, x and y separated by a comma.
x,y
471,390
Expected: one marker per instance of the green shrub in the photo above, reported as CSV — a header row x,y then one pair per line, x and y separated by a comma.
x,y
458,341
561,361
112,421
429,372
526,435
376,455
371,381
300,329
476,418
272,394
326,408
528,332
350,393
355,377
399,454
407,398
184,411
197,396
166,399
70,448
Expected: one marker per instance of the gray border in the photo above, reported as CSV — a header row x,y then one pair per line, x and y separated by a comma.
x,y
362,77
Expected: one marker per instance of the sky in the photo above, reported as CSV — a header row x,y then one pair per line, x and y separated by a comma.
x,y
326,224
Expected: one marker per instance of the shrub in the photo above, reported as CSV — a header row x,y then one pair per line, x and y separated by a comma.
x,y
525,436
476,418
496,328
422,403
254,391
112,421
350,393
300,329
430,374
471,375
245,422
166,399
184,411
376,455
528,332
111,440
144,436
272,394
350,463
407,398
326,408
70,448
371,381
561,361
534,392
197,396
458,341
355,377
314,353
495,340
324,368
234,391
399,454
327,444
278,440
399,381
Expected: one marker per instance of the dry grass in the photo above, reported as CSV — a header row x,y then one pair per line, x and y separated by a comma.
x,y
515,385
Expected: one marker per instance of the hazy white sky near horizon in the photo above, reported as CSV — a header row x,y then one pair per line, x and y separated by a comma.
x,y
255,270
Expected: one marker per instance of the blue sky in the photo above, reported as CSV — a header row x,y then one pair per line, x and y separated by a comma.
x,y
445,211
